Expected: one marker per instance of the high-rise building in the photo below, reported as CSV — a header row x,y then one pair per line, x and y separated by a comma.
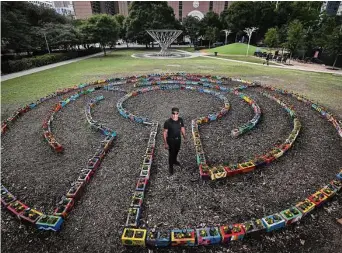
x,y
332,7
84,9
62,7
47,4
65,8
197,8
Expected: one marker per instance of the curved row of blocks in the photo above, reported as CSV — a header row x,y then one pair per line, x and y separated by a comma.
x,y
133,235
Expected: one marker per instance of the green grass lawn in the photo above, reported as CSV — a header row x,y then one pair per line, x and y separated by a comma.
x,y
244,58
325,88
234,49
188,49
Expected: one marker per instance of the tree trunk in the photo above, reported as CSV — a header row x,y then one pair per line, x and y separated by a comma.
x,y
335,61
290,58
104,50
209,44
146,45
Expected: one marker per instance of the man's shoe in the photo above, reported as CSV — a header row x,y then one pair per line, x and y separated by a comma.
x,y
177,163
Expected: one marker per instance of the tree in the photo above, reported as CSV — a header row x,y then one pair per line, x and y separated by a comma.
x,y
249,32
210,19
249,14
102,29
143,16
191,27
21,22
334,43
122,28
211,34
294,36
271,38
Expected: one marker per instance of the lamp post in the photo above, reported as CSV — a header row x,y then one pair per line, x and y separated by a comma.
x,y
249,32
227,33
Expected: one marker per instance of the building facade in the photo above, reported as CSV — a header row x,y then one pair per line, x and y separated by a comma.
x,y
47,4
65,8
332,7
84,9
62,7
197,8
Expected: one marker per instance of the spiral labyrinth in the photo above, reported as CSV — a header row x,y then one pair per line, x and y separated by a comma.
x,y
137,232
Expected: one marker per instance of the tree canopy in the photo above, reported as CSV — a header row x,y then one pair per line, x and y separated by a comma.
x,y
149,15
101,28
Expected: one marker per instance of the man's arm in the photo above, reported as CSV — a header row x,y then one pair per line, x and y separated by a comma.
x,y
183,129
183,132
164,137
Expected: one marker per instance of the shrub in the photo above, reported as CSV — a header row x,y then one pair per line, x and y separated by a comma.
x,y
12,66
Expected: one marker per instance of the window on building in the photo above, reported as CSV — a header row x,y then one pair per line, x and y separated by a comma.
x,y
95,7
210,5
225,5
180,10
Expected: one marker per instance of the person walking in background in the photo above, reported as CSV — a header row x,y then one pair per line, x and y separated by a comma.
x,y
267,60
173,128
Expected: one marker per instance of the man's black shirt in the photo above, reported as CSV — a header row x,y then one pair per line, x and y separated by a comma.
x,y
174,127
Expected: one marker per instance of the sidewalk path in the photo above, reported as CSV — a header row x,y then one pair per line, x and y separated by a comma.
x,y
337,72
50,66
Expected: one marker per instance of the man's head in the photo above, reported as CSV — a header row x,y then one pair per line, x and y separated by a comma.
x,y
175,113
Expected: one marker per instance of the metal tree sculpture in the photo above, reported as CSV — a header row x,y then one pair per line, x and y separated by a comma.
x,y
227,33
164,38
249,32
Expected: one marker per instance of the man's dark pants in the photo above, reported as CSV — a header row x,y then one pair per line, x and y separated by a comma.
x,y
174,146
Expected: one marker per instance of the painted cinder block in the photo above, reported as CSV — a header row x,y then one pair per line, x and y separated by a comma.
x,y
318,198
254,228
134,237
64,207
16,207
183,237
208,236
273,222
141,184
232,233
158,238
6,196
76,190
30,215
49,222
94,163
85,175
204,171
232,170
133,217
306,206
137,199
339,175
291,215
337,184
217,172
247,166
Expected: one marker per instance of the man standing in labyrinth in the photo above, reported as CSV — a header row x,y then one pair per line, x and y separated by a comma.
x,y
173,128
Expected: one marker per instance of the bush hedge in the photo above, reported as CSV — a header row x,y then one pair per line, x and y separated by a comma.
x,y
12,66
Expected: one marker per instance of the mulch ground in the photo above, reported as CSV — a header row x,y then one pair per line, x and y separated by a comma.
x,y
39,177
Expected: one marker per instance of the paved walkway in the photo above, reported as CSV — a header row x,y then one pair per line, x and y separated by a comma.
x,y
335,72
50,66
